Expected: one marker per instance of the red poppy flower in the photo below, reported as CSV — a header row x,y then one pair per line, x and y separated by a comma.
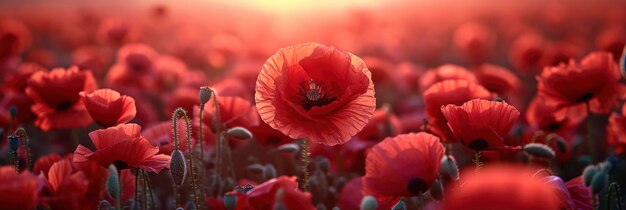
x,y
382,124
19,191
447,92
162,135
233,87
445,72
351,195
481,124
170,72
182,97
116,32
14,38
316,92
43,164
108,108
596,80
502,188
263,196
612,40
57,103
266,135
390,167
540,115
616,131
92,58
474,41
123,146
528,52
497,79
134,63
67,186
234,112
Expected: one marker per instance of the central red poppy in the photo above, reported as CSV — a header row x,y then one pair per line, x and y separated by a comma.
x,y
316,92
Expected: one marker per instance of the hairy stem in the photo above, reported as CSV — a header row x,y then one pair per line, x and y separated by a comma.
x,y
614,189
476,161
183,113
305,165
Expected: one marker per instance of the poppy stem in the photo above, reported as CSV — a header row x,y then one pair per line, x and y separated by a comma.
x,y
137,186
200,139
181,112
305,165
476,161
614,189
21,131
590,142
176,196
147,190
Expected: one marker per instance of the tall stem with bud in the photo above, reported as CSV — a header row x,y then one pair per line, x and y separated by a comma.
x,y
183,113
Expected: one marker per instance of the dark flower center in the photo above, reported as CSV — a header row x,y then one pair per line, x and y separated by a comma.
x,y
64,105
478,145
120,164
417,186
584,97
314,93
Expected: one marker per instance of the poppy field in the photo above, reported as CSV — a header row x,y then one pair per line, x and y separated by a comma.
x,y
302,104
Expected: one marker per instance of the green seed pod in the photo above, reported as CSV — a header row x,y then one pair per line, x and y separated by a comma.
x,y
598,183
113,182
588,174
369,203
539,150
178,167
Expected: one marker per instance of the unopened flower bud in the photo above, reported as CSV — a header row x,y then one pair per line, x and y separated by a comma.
x,y
449,168
539,150
205,94
230,201
399,206
14,142
588,174
598,182
324,163
104,205
239,133
178,167
369,203
113,182
269,172
255,168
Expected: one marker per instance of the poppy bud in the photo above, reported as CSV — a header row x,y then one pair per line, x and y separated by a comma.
x,y
269,172
449,168
178,167
320,206
498,99
104,205
612,160
113,182
205,94
605,166
399,206
369,203
539,150
255,168
289,148
180,208
588,174
436,190
598,182
230,201
239,133
13,111
323,163
14,142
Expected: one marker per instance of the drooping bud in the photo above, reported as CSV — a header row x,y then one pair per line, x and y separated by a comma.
x,y
449,169
289,148
598,183
230,201
239,133
113,182
104,205
178,167
399,206
539,150
269,172
436,190
588,174
205,94
369,203
14,142
13,111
